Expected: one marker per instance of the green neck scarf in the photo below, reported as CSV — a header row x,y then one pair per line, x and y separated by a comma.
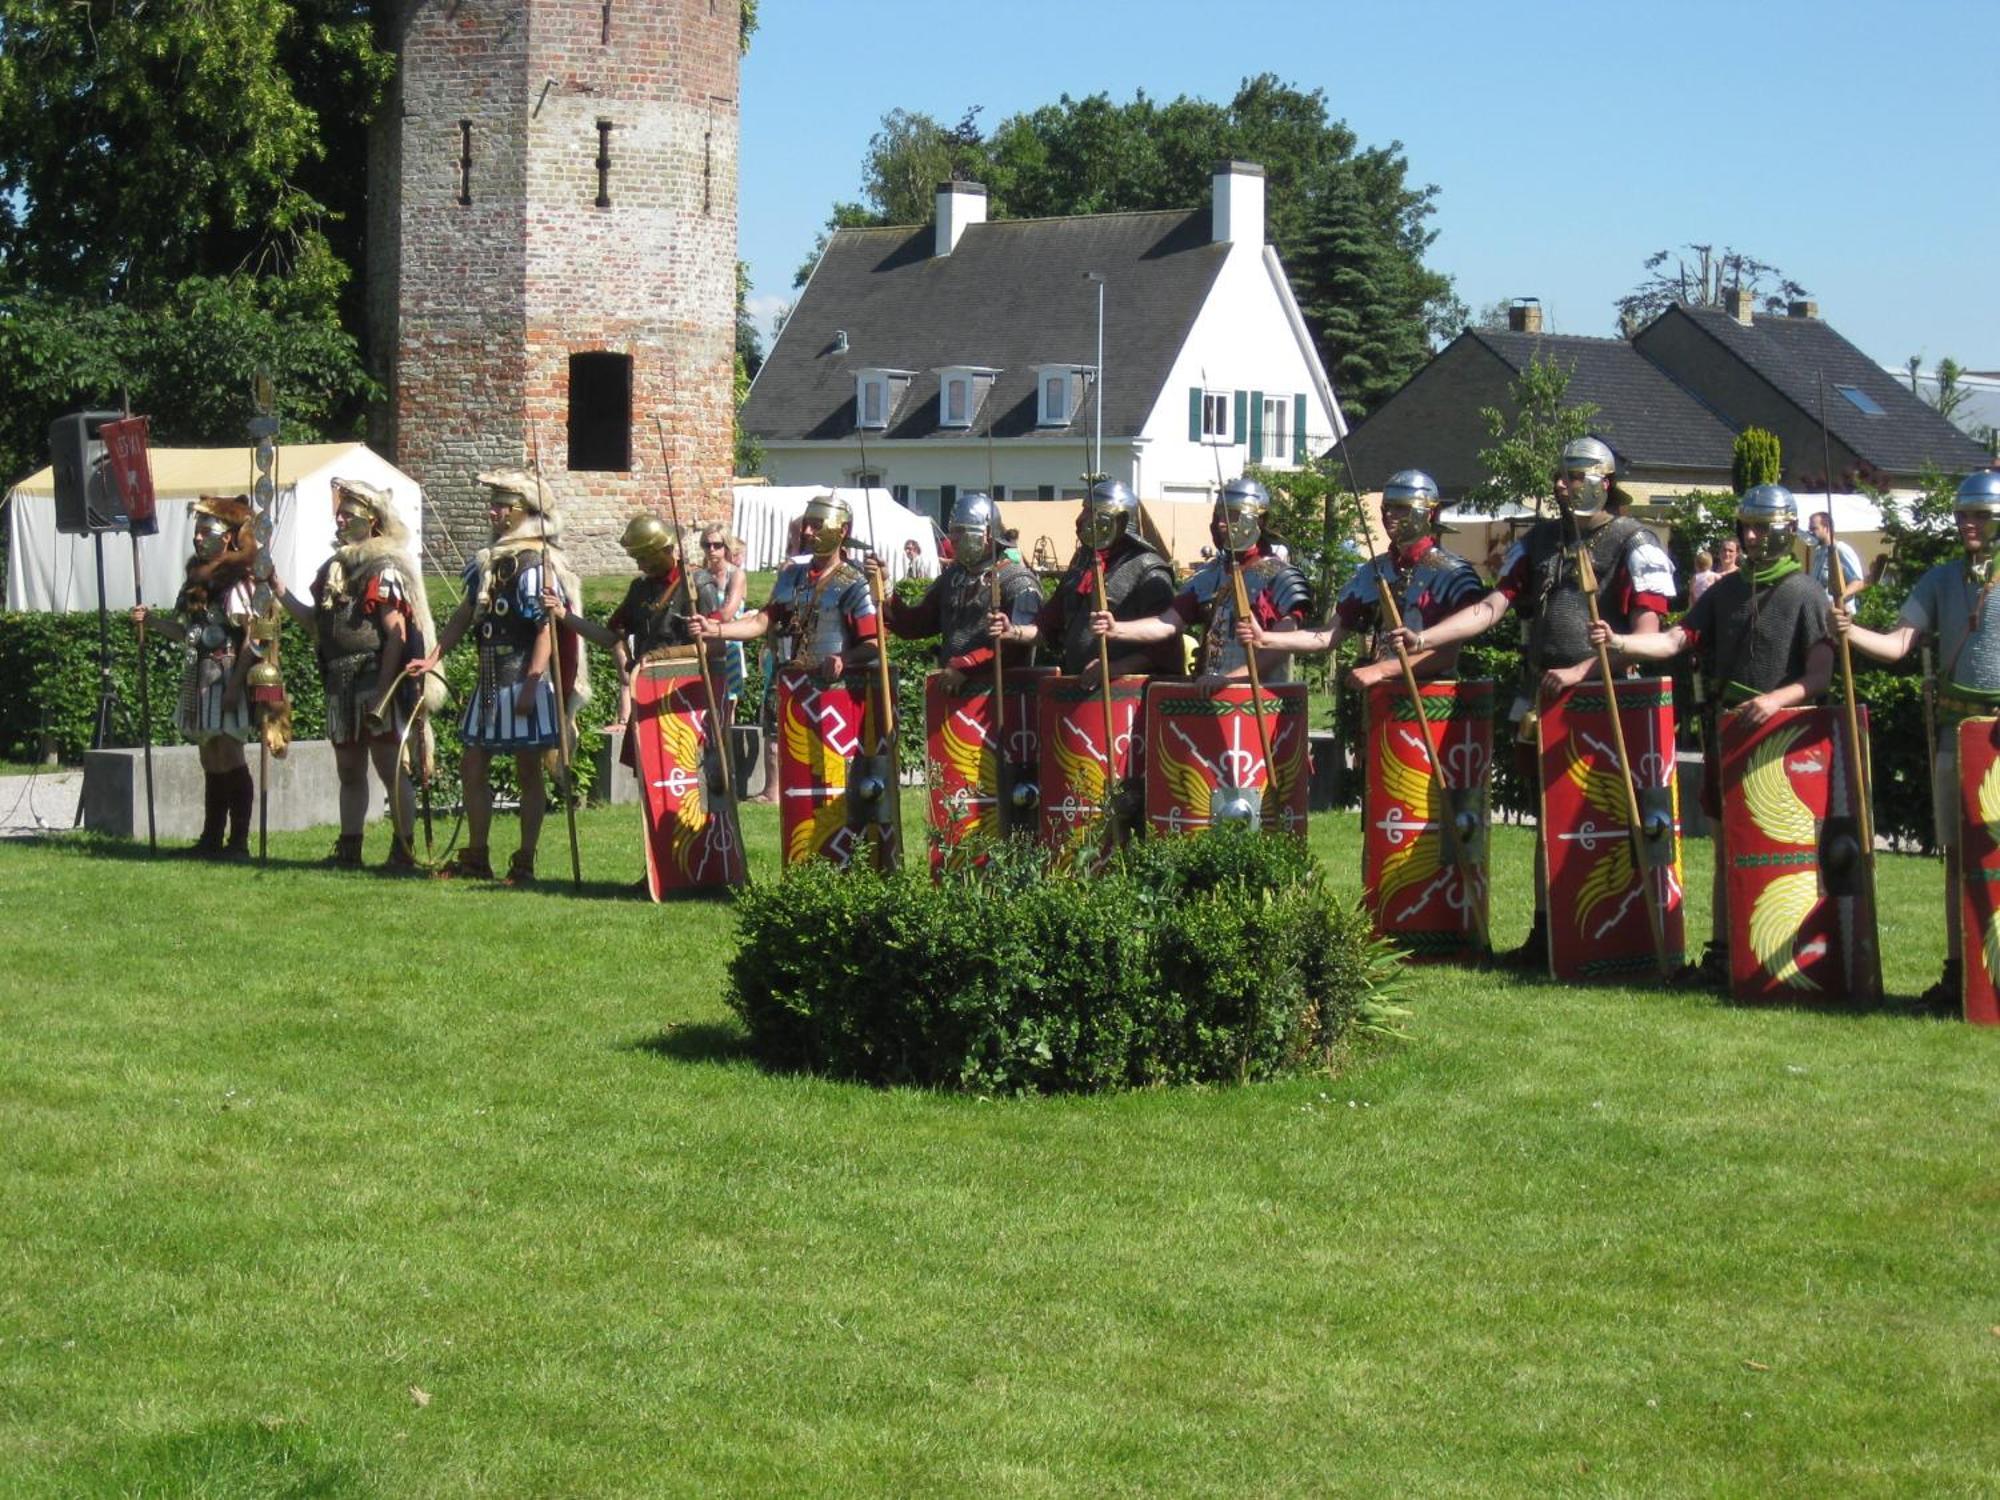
x,y
1776,573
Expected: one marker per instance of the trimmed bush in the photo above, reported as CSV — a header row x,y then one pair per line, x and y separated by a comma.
x,y
1212,959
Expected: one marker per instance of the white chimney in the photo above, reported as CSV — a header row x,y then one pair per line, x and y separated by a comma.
x,y
958,204
1237,211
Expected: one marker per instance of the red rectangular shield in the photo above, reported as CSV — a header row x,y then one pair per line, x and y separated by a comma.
x,y
1599,882
1206,765
822,729
1412,878
131,469
981,776
692,840
1078,770
1800,923
1979,867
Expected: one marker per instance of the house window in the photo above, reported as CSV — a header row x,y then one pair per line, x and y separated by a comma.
x,y
1045,492
865,479
927,503
998,493
957,401
1277,416
872,402
1860,400
1215,417
1057,404
600,412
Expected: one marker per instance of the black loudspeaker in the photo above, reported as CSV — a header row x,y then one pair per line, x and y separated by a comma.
x,y
86,499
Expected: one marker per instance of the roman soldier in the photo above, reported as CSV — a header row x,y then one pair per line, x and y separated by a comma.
x,y
1539,578
957,608
1278,595
1762,638
1951,602
369,614
1430,584
1137,580
514,706
212,616
834,754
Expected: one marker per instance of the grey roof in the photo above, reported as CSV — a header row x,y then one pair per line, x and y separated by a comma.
x,y
1011,295
1792,353
1643,414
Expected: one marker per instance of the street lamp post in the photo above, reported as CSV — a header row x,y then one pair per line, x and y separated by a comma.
x,y
1097,447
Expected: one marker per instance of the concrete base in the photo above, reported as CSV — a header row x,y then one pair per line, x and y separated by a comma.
x,y
1328,758
1689,775
304,790
620,787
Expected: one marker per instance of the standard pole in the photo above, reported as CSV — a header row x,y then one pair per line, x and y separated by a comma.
x,y
145,696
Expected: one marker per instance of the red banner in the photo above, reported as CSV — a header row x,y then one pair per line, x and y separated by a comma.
x,y
130,465
981,775
1800,923
1080,774
1979,867
1601,878
1206,765
1419,847
690,829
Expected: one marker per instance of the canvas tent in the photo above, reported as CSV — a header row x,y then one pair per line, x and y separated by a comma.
x,y
764,513
48,571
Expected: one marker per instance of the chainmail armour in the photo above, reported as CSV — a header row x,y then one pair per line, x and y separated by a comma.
x,y
1275,589
1138,585
963,599
1559,623
1750,640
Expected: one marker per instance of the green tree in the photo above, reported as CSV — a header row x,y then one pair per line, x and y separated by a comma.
x,y
1356,292
1521,464
1757,459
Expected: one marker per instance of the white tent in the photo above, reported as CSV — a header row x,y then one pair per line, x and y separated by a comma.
x,y
764,513
48,571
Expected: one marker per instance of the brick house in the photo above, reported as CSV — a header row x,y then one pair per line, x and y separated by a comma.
x,y
1671,402
552,254
963,354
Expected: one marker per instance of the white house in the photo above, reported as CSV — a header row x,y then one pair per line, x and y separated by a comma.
x,y
964,355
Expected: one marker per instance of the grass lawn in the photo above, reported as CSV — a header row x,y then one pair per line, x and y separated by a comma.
x,y
499,1208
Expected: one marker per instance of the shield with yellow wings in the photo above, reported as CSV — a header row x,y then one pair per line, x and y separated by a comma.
x,y
690,827
1084,778
1205,763
1602,874
826,732
1979,867
982,773
1801,927
1423,850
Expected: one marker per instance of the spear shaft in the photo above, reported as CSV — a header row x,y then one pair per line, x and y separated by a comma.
x,y
558,693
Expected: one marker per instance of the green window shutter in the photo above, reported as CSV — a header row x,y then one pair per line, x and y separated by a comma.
x,y
1299,429
1242,415
1194,414
1256,427
947,498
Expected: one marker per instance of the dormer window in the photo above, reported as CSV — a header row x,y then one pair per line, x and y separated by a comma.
x,y
961,391
1061,388
875,395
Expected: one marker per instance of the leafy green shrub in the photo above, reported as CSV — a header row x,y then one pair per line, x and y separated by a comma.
x,y
1188,960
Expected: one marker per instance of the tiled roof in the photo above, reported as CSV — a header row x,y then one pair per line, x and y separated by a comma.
x,y
1792,353
1643,414
1011,295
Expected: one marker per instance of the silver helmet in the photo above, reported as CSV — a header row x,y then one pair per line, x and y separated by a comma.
x,y
1589,466
1773,510
1111,511
974,528
1240,513
1979,495
831,514
1407,502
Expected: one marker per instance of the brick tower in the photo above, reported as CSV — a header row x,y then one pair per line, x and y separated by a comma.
x,y
552,251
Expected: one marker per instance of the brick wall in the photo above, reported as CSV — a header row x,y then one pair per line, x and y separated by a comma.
x,y
484,304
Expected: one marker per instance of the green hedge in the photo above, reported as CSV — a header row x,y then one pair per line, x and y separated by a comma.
x,y
1220,958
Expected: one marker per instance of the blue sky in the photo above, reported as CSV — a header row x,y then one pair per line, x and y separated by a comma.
x,y
1851,145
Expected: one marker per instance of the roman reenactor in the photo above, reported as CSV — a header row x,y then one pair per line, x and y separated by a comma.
x,y
1277,593
1952,603
670,743
369,614
1763,642
516,707
958,606
212,616
835,760
1137,583
1539,578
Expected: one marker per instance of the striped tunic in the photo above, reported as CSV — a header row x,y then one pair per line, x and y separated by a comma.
x,y
494,717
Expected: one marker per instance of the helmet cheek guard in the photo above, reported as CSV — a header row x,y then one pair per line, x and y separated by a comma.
x,y
1589,466
834,519
973,525
1111,511
1240,513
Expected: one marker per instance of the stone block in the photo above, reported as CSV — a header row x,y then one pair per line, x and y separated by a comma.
x,y
304,790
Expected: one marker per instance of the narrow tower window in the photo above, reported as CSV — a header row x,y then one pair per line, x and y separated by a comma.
x,y
600,412
465,161
604,26
604,164
707,171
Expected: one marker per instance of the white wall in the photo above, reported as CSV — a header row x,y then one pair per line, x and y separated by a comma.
x,y
931,463
1244,339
